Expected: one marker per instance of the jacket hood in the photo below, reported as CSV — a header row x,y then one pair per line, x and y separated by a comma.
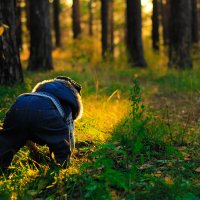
x,y
66,94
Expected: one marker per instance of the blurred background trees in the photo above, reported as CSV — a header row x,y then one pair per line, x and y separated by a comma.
x,y
107,32
56,12
40,36
155,25
195,21
134,33
76,17
10,65
115,29
180,34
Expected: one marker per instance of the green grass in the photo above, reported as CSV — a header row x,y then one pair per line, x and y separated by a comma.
x,y
125,150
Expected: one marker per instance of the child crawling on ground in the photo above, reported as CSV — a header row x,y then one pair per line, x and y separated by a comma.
x,y
46,117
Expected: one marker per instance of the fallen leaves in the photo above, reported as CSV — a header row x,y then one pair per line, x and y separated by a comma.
x,y
197,170
158,174
145,166
168,180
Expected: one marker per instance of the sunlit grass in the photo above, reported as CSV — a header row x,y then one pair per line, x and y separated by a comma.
x,y
106,100
106,92
100,118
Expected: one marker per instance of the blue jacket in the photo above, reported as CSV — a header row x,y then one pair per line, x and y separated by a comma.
x,y
66,97
37,119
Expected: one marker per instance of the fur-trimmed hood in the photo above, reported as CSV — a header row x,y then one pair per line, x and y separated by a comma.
x,y
67,93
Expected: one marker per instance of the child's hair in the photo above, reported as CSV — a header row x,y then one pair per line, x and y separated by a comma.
x,y
72,82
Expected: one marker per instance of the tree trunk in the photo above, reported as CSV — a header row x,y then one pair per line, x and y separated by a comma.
x,y
107,29
111,26
195,30
90,17
165,13
27,9
40,33
18,25
155,26
180,34
10,66
76,18
56,6
134,33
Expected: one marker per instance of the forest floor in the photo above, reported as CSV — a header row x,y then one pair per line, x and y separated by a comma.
x,y
127,147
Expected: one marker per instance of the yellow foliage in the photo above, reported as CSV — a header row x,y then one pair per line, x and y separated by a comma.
x,y
168,180
3,27
1,30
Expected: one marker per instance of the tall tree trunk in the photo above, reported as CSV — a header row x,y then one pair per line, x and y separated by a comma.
x,y
90,23
195,28
165,13
40,32
27,9
155,26
107,29
134,33
180,34
18,24
10,66
76,18
56,6
198,14
111,26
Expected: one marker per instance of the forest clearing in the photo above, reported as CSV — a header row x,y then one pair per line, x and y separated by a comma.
x,y
139,136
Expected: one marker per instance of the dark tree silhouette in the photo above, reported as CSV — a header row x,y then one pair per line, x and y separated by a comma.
x,y
180,34
107,29
40,33
195,28
165,13
155,26
27,9
18,24
76,18
56,6
10,66
90,8
134,33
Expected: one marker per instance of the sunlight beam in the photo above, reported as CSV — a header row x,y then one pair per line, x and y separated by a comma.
x,y
147,6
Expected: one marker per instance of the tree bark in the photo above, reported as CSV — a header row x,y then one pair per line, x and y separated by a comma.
x,y
76,18
134,33
18,24
40,33
180,34
107,28
165,13
90,17
10,66
27,14
56,6
195,28
155,26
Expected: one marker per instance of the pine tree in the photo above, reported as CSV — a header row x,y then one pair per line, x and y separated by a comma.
x,y
40,33
134,33
180,34
10,66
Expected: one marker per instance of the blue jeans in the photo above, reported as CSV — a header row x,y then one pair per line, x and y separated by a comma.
x,y
37,119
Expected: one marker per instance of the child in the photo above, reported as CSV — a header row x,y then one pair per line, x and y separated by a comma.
x,y
44,116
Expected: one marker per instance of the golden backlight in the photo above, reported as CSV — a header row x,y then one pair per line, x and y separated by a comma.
x,y
146,4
